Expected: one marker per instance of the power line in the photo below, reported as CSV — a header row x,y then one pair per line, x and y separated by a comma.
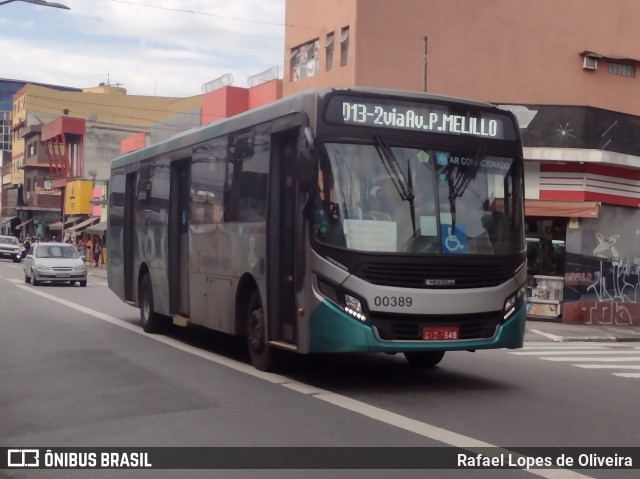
x,y
194,12
122,114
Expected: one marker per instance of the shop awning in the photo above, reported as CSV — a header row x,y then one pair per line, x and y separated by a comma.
x,y
565,209
98,229
6,219
73,219
80,227
23,224
56,226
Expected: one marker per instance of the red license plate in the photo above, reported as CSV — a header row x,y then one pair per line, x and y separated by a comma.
x,y
440,333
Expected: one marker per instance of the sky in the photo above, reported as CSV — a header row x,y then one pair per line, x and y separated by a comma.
x,y
150,47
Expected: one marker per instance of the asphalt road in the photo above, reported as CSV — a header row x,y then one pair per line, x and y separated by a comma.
x,y
76,370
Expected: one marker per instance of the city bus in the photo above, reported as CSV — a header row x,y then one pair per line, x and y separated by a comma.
x,y
331,221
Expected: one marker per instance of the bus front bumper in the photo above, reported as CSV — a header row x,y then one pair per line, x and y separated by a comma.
x,y
334,331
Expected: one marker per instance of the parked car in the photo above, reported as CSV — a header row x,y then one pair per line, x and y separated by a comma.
x,y
10,248
54,262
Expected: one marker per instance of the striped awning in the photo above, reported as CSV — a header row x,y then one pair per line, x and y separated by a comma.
x,y
80,227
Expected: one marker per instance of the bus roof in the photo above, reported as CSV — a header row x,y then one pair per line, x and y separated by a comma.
x,y
305,102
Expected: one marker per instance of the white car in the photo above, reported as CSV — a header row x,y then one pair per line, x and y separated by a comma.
x,y
54,262
10,248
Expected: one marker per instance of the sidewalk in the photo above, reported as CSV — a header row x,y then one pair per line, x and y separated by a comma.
x,y
99,272
536,330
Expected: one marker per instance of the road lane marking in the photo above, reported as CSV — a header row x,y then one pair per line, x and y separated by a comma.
x,y
552,337
573,345
560,352
627,375
578,359
607,366
420,428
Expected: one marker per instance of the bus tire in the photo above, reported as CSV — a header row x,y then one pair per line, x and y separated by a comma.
x,y
423,359
262,355
150,320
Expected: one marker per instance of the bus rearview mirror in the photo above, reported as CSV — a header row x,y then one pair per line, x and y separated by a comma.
x,y
307,176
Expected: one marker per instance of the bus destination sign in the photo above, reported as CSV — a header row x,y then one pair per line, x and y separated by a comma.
x,y
415,116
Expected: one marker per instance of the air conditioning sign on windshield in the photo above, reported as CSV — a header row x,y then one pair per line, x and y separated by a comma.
x,y
414,116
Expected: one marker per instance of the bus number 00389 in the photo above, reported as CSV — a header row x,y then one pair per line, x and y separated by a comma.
x,y
393,301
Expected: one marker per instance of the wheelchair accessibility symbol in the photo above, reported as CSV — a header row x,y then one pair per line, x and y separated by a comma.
x,y
453,241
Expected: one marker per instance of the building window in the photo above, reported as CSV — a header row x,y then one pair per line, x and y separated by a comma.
x,y
344,46
328,45
621,69
5,135
305,60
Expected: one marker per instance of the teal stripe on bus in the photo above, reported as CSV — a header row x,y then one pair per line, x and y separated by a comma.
x,y
331,330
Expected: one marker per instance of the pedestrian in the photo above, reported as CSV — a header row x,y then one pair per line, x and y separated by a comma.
x,y
27,248
97,249
82,247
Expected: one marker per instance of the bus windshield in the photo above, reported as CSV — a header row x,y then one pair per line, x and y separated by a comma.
x,y
407,200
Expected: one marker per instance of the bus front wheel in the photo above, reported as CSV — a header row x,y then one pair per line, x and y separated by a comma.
x,y
151,321
263,356
423,359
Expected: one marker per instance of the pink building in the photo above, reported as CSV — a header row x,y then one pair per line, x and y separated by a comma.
x,y
566,69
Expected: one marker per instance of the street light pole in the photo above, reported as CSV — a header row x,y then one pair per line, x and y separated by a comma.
x,y
43,3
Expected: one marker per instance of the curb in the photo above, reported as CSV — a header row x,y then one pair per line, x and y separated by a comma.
x,y
566,339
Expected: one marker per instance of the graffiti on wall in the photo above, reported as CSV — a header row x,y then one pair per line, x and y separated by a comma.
x,y
602,281
612,289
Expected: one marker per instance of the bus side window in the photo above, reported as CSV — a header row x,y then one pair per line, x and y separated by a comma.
x,y
247,178
207,182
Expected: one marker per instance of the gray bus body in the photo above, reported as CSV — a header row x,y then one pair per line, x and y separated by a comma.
x,y
258,225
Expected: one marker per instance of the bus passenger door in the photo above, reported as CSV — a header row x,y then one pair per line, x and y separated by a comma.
x,y
128,237
179,238
281,233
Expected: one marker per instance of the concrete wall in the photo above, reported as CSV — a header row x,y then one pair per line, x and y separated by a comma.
x,y
101,145
503,51
224,102
170,126
264,93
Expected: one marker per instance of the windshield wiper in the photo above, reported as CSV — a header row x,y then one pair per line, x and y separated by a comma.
x,y
458,185
404,187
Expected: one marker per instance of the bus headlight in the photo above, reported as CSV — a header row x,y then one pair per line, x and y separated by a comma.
x,y
351,305
514,302
354,307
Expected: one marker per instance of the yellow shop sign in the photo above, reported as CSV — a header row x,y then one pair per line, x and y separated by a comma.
x,y
77,197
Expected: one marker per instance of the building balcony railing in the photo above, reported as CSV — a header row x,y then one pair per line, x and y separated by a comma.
x,y
35,161
38,198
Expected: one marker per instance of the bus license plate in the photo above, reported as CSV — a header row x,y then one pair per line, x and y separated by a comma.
x,y
440,333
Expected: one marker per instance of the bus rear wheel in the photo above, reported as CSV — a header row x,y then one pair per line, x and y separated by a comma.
x,y
151,321
423,359
263,356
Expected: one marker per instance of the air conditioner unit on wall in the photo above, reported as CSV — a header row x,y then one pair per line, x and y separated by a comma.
x,y
589,63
